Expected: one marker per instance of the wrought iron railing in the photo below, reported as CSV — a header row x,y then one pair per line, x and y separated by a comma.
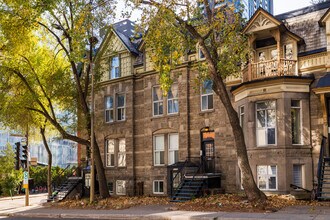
x,y
320,167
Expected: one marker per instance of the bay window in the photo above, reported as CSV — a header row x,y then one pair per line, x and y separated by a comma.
x,y
266,123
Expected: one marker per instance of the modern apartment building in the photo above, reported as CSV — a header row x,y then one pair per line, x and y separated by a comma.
x,y
250,6
282,97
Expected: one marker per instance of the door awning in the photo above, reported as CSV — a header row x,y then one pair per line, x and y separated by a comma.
x,y
323,84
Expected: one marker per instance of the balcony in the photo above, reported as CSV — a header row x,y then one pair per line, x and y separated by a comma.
x,y
270,68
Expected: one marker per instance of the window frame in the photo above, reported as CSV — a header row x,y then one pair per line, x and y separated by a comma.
x,y
266,121
241,115
158,182
108,153
267,176
173,100
173,151
302,175
158,102
124,187
299,108
121,109
116,67
155,151
206,94
108,109
121,154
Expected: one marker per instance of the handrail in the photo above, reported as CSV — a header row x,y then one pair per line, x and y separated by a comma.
x,y
319,167
176,175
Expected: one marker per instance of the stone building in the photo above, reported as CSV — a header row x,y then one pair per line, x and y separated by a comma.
x,y
282,98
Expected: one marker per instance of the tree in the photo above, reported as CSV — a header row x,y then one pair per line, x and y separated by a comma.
x,y
36,35
10,178
174,27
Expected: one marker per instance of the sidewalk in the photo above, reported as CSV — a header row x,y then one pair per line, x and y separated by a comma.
x,y
160,212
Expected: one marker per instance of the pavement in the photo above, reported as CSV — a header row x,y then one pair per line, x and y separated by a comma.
x,y
162,212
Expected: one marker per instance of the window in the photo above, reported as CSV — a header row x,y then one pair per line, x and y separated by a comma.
x,y
108,109
297,175
157,98
115,68
172,100
266,123
169,144
288,51
267,177
241,116
159,150
207,95
295,122
110,153
120,107
122,153
200,54
121,187
110,187
173,148
158,187
115,147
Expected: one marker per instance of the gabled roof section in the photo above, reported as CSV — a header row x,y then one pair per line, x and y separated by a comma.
x,y
324,18
260,20
125,31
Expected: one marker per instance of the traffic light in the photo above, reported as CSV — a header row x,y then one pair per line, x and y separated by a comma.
x,y
25,154
17,159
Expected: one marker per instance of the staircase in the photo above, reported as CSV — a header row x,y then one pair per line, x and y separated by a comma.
x,y
324,180
189,188
65,189
323,174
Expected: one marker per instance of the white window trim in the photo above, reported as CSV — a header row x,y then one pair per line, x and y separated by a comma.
x,y
173,100
300,121
122,153
268,175
172,150
303,183
256,126
153,187
201,99
123,108
108,110
154,150
241,122
158,102
119,69
120,193
109,153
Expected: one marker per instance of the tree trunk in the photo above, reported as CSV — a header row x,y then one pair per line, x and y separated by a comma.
x,y
49,170
251,190
103,188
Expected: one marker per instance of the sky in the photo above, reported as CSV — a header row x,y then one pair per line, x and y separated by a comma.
x,y
282,6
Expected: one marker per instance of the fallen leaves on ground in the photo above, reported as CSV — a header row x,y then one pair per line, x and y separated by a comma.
x,y
220,202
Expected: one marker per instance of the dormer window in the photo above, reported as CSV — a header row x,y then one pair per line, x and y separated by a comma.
x,y
115,68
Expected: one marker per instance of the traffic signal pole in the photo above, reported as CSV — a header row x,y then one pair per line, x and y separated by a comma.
x,y
25,146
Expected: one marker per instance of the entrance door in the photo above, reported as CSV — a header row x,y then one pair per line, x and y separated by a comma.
x,y
208,156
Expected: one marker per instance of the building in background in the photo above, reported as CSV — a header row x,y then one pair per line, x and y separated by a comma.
x,y
250,6
64,151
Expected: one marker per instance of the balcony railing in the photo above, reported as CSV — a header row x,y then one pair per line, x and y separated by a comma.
x,y
269,68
